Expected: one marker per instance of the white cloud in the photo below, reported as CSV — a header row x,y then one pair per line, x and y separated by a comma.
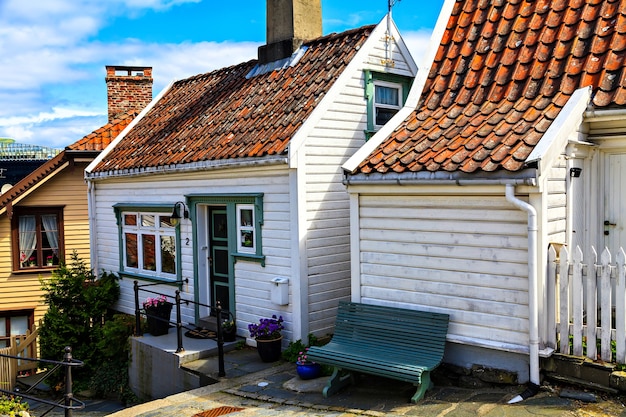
x,y
177,61
52,82
57,113
418,43
155,4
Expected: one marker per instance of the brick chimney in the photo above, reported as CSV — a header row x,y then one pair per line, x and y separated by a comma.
x,y
289,24
128,89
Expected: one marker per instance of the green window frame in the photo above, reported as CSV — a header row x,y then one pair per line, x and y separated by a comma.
x,y
379,107
245,229
149,245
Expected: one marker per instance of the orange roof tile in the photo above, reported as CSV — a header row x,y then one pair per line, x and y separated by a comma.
x,y
224,115
527,58
103,136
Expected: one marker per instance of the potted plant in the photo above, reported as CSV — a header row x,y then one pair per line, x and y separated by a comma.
x,y
307,369
49,260
32,261
158,312
268,337
229,330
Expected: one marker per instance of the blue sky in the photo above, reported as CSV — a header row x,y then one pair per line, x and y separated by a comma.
x,y
53,55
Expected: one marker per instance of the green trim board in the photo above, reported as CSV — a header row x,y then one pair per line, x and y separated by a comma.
x,y
230,201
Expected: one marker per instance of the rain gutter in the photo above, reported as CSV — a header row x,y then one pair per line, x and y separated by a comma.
x,y
190,167
399,181
604,115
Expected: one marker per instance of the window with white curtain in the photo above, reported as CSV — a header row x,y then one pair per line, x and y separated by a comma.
x,y
37,238
149,244
386,101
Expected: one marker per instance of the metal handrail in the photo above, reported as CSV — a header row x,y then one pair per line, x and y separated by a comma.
x,y
68,397
179,325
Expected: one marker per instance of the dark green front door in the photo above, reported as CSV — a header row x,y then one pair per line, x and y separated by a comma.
x,y
219,262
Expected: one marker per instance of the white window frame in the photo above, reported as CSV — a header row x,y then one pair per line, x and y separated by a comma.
x,y
242,229
158,232
396,86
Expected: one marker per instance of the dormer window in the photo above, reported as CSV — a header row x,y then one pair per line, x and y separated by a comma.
x,y
386,101
385,94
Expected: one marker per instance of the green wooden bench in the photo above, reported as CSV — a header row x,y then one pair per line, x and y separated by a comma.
x,y
390,342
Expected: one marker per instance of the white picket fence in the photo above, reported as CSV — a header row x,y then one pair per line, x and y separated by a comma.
x,y
589,304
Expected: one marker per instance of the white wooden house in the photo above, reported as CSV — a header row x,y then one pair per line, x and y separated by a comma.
x,y
514,139
253,154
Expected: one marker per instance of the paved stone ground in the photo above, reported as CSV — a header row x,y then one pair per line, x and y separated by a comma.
x,y
278,392
266,390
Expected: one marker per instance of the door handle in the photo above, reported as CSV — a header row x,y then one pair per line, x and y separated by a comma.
x,y
607,224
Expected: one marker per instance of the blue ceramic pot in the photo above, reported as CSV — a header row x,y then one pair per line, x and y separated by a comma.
x,y
308,370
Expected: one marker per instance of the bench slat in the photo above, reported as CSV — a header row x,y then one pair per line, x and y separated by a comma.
x,y
427,361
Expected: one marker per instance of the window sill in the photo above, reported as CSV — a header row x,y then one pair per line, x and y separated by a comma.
x,y
249,257
35,270
149,278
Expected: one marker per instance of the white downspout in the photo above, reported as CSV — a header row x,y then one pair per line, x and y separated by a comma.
x,y
533,303
93,253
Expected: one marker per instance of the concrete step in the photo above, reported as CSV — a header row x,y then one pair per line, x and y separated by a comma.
x,y
209,323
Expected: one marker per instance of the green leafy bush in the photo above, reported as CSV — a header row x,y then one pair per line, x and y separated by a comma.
x,y
111,376
13,406
78,308
294,348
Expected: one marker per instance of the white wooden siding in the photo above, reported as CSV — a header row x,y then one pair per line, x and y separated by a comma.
x,y
379,55
252,281
336,137
463,255
557,202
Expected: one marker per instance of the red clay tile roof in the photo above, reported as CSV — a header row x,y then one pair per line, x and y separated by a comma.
x,y
90,144
222,115
502,73
102,137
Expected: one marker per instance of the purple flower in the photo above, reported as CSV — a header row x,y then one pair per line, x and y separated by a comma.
x,y
267,328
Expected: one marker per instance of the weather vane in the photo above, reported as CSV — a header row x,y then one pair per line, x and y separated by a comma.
x,y
392,3
388,60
